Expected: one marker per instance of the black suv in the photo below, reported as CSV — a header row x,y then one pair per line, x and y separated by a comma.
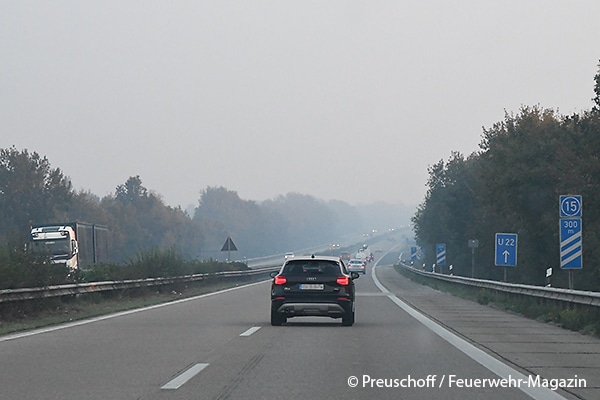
x,y
313,286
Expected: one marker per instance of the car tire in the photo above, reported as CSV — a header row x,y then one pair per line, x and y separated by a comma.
x,y
277,319
348,319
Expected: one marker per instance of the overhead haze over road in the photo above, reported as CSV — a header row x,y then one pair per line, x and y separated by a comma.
x,y
270,97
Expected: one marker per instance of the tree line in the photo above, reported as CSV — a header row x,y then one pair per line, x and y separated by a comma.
x,y
34,192
513,184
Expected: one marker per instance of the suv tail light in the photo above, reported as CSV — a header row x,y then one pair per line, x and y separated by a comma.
x,y
343,280
280,280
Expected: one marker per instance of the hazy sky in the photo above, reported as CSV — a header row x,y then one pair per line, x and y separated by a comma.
x,y
347,100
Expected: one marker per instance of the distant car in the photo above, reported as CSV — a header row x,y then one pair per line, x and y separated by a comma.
x,y
357,265
344,255
287,255
312,286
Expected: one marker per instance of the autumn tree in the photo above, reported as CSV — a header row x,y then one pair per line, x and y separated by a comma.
x,y
139,221
31,191
222,213
448,211
513,185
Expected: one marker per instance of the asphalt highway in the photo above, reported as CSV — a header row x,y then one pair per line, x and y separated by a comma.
x,y
221,346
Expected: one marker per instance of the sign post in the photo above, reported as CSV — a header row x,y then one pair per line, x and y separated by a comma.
x,y
571,238
473,244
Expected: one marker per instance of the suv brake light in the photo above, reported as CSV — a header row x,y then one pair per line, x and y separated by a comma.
x,y
280,280
343,280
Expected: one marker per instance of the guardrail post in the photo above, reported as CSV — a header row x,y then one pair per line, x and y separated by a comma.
x,y
472,262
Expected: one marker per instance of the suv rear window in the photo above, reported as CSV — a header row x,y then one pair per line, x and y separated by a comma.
x,y
317,267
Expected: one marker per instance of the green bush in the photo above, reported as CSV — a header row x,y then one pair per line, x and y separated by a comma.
x,y
19,269
484,297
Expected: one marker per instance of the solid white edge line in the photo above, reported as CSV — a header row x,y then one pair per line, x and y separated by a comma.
x,y
250,331
119,314
483,358
180,380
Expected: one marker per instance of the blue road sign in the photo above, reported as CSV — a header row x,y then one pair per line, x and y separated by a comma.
x,y
570,206
571,245
506,249
440,250
413,254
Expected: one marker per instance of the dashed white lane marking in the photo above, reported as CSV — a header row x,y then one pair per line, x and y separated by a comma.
x,y
250,331
184,377
371,294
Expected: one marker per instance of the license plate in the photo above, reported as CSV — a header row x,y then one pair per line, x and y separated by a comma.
x,y
311,286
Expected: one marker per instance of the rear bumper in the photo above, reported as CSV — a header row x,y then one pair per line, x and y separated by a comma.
x,y
359,270
316,309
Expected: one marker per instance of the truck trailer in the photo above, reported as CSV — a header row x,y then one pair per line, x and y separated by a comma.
x,y
79,245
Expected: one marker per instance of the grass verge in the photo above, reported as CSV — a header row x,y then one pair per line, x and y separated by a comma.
x,y
574,317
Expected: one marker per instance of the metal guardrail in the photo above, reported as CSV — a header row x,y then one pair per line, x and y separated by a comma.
x,y
556,294
8,295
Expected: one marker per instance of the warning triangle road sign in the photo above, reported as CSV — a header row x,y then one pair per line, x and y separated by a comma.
x,y
229,245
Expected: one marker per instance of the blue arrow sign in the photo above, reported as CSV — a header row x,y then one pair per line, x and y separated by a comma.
x,y
571,246
413,254
440,250
506,250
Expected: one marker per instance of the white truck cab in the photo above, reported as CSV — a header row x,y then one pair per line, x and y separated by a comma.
x,y
59,242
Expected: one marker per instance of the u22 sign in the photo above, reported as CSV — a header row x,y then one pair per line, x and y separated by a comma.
x,y
506,249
